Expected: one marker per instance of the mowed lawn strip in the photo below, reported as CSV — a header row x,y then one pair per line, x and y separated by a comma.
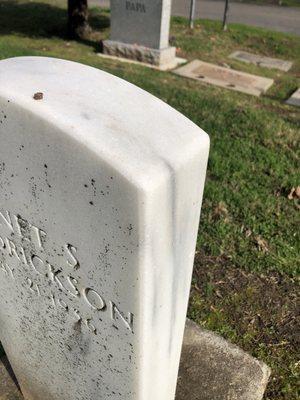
x,y
245,284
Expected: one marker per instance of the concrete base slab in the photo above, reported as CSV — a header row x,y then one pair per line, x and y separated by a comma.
x,y
294,100
225,77
166,67
261,61
210,369
213,369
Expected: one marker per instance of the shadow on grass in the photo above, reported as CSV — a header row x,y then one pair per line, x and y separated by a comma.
x,y
42,20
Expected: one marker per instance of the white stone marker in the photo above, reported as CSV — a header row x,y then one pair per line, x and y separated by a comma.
x,y
294,100
225,77
261,61
140,31
100,195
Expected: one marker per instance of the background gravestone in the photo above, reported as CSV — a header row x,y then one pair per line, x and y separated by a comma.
x,y
140,31
100,195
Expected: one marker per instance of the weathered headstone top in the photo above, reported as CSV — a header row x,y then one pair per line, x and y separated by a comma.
x,y
140,31
100,194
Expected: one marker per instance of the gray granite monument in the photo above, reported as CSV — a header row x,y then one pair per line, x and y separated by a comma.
x,y
140,31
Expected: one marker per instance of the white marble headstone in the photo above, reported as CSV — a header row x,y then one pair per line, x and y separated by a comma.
x,y
100,194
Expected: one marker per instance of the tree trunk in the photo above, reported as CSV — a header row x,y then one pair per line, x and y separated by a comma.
x,y
78,26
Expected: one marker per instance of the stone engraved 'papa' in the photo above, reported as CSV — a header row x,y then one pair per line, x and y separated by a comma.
x,y
100,195
140,31
134,6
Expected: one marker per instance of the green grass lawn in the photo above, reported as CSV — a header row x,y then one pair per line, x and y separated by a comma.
x,y
246,278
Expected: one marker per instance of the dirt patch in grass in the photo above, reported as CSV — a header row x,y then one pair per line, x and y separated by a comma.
x,y
259,312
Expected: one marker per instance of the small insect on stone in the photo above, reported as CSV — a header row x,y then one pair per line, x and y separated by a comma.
x,y
38,96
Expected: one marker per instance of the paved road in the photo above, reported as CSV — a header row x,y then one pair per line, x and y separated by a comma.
x,y
283,19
